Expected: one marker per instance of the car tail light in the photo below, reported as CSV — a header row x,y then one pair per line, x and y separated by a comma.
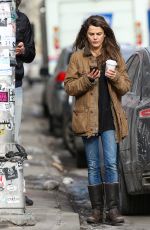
x,y
60,77
144,113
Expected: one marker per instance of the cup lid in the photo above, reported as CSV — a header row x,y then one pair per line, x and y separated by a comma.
x,y
111,62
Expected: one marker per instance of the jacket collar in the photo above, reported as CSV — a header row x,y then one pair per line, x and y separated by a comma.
x,y
86,51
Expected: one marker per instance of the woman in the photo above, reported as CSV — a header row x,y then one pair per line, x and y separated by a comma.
x,y
98,111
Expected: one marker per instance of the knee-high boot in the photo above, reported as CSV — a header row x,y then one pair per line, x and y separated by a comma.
x,y
112,202
96,193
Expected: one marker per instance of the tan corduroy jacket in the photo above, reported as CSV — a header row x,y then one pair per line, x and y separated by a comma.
x,y
85,113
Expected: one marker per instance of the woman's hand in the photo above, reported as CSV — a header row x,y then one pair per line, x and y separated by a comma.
x,y
111,74
94,74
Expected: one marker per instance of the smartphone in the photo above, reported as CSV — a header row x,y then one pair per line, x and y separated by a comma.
x,y
93,68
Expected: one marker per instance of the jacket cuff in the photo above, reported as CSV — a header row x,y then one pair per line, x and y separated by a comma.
x,y
115,79
91,79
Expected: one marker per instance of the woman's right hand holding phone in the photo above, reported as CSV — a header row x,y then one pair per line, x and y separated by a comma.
x,y
94,74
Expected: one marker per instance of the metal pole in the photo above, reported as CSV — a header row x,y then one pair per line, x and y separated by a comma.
x,y
12,204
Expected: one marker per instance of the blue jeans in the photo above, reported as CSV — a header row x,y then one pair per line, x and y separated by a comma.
x,y
92,150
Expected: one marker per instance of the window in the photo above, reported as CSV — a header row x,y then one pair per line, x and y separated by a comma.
x,y
60,61
69,56
144,83
133,69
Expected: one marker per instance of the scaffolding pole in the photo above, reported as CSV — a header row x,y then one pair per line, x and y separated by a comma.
x,y
12,155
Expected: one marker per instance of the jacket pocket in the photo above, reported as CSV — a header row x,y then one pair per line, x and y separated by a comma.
x,y
79,121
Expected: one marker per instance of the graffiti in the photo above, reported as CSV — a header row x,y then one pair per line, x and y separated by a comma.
x,y
1,171
11,188
2,165
13,199
11,173
11,95
2,132
2,182
6,124
7,106
20,164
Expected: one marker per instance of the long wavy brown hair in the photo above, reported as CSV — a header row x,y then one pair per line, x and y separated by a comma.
x,y
110,47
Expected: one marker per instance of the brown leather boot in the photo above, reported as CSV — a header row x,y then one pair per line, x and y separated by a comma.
x,y
96,193
112,202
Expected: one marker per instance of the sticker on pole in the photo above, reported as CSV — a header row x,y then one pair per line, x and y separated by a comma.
x,y
11,173
11,188
1,182
3,96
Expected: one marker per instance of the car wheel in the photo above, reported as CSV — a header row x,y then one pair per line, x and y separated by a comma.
x,y
54,129
44,104
124,197
50,124
68,137
80,160
80,153
132,204
45,110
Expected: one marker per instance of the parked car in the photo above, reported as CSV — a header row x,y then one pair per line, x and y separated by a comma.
x,y
73,143
135,149
32,71
54,95
59,105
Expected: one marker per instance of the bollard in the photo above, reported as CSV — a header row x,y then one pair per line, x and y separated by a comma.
x,y
12,155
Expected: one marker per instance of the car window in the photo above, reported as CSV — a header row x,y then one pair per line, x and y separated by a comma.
x,y
66,58
127,51
133,69
69,56
60,61
145,80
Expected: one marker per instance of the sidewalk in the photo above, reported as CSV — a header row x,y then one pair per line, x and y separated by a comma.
x,y
43,172
51,207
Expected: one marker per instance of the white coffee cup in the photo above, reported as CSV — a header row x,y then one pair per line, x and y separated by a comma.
x,y
111,64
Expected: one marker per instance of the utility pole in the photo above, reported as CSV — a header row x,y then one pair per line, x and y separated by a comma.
x,y
12,155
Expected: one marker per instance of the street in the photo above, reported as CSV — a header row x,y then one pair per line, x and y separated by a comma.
x,y
49,165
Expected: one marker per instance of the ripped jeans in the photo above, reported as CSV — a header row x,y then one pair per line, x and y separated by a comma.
x,y
92,149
